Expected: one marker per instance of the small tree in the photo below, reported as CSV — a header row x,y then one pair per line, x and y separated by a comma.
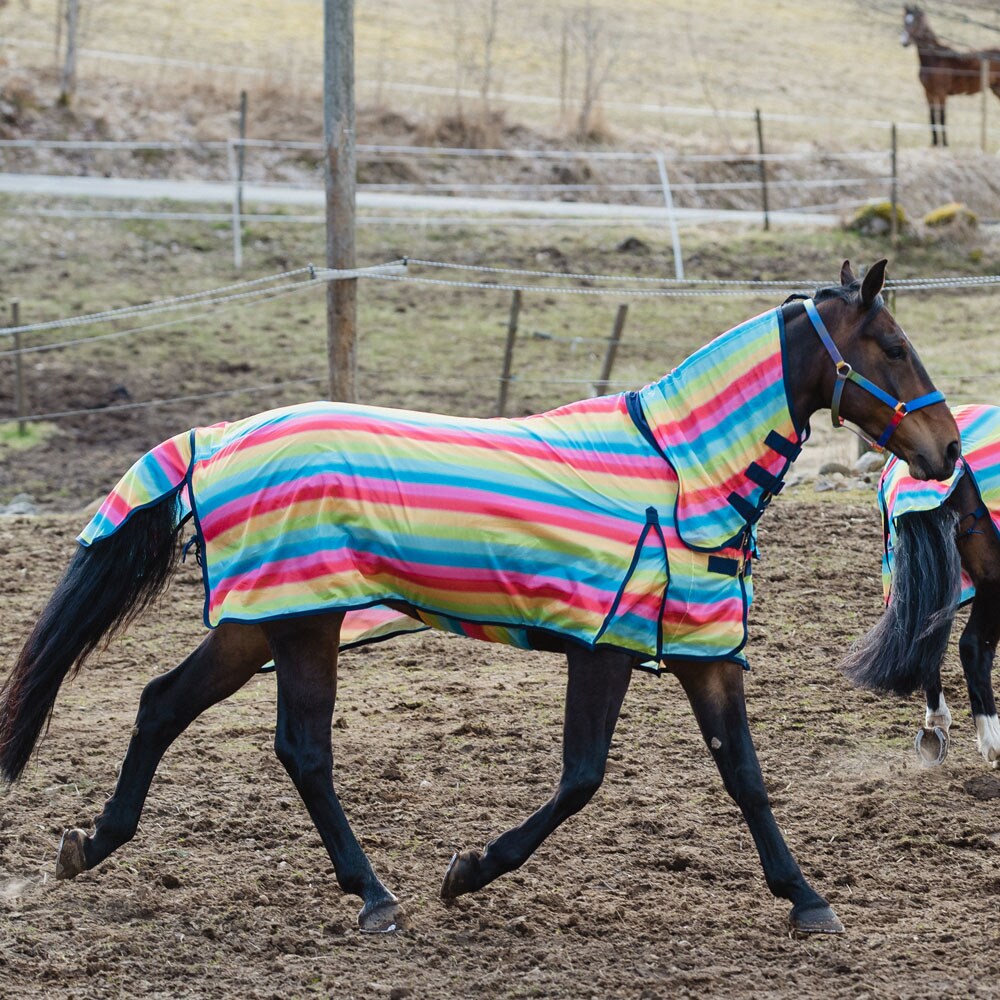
x,y
597,47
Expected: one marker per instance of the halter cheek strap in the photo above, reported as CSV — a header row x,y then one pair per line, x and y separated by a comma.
x,y
845,374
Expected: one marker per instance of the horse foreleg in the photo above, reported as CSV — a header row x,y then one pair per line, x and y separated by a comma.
x,y
221,665
932,739
934,129
595,689
944,134
715,690
976,648
305,654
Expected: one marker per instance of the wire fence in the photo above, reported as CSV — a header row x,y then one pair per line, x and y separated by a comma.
x,y
251,293
592,187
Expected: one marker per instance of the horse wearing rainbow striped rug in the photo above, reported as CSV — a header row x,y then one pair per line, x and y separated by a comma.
x,y
941,552
618,530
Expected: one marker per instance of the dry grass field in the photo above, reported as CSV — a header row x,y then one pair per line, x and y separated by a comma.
x,y
839,62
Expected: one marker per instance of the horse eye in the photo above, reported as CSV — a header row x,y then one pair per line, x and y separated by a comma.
x,y
895,353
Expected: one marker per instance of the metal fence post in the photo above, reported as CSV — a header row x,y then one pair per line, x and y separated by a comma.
x,y
19,409
668,197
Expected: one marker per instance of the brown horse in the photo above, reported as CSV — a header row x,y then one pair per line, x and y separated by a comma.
x,y
945,71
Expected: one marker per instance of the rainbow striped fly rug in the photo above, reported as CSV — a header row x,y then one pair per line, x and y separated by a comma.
x,y
625,520
900,494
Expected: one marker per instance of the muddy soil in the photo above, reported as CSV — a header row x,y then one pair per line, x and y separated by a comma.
x,y
654,890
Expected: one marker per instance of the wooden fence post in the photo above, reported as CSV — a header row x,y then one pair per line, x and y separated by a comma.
x,y
984,83
15,321
341,177
763,170
67,79
508,354
894,194
601,385
241,152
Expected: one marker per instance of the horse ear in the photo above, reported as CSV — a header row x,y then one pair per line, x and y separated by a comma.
x,y
846,274
874,280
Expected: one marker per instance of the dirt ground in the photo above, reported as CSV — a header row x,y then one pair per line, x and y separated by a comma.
x,y
654,890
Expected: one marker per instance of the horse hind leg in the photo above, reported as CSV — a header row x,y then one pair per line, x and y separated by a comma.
x,y
595,688
305,655
222,664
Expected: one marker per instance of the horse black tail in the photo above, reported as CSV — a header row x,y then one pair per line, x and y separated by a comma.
x,y
905,649
106,585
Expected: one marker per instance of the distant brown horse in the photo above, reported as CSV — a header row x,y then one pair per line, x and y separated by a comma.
x,y
945,71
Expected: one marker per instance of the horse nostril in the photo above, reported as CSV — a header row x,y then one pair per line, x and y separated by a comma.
x,y
953,451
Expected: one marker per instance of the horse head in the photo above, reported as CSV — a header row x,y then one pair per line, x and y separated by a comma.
x,y
877,381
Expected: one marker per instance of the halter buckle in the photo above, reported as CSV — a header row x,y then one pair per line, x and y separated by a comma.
x,y
844,369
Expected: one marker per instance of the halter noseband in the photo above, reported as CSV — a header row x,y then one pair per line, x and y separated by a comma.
x,y
845,373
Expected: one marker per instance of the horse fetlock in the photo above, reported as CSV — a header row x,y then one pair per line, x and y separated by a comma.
x,y
988,738
70,857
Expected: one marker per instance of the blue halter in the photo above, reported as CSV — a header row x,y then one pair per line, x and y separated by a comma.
x,y
845,373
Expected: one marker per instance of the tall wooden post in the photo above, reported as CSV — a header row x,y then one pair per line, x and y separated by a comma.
x,y
338,130
763,170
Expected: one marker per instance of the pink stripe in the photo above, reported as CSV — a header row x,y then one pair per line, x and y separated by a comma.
x,y
280,573
467,437
442,499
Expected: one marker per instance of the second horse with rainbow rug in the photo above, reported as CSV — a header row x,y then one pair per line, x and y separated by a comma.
x,y
618,530
941,551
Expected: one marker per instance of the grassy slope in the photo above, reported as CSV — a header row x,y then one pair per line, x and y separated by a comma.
x,y
839,59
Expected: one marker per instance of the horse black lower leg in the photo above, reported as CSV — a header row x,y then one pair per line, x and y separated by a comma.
x,y
977,648
934,130
221,665
715,691
595,689
305,653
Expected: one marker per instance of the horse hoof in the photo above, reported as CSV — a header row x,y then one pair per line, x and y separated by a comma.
x,y
814,919
382,917
462,875
931,746
70,859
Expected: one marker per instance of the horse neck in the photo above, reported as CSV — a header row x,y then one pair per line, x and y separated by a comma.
x,y
928,44
812,374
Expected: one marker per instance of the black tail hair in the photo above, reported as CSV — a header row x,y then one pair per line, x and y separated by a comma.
x,y
905,649
106,585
